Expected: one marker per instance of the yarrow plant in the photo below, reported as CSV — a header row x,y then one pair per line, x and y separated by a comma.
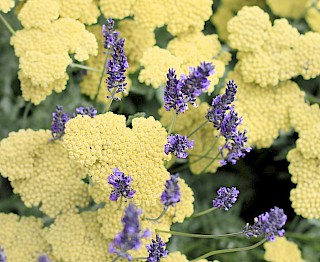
x,y
130,237
121,185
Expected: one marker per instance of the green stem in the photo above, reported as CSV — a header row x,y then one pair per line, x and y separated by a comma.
x,y
183,234
312,99
211,162
110,100
159,217
198,128
203,212
173,121
7,24
302,237
229,250
120,204
25,115
74,65
115,259
206,153
100,81
200,156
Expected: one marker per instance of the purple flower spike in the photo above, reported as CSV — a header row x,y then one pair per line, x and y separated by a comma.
x,y
85,111
226,197
178,145
178,93
156,250
42,258
130,237
121,184
3,257
171,195
59,120
268,224
110,36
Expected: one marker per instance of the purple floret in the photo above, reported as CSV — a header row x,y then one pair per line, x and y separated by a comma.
x,y
121,185
178,145
226,197
156,249
171,195
268,224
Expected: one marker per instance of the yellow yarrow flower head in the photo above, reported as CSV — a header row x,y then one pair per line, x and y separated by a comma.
x,y
249,29
77,237
154,74
288,8
282,250
178,16
6,5
91,79
313,15
43,48
304,161
44,173
22,238
138,39
265,110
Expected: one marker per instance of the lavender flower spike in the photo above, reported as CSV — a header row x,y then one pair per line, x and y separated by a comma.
x,y
178,145
121,184
130,237
3,257
226,197
156,250
268,224
110,36
43,258
85,111
171,195
59,119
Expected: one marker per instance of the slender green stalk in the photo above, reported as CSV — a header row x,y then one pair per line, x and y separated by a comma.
x,y
206,153
173,121
302,237
312,99
229,250
200,156
183,234
7,24
159,217
115,259
100,81
120,204
203,212
110,100
74,65
198,128
25,115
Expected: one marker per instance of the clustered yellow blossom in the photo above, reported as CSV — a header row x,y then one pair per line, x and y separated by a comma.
x,y
313,15
44,45
6,5
77,237
179,16
270,54
189,49
103,143
226,10
282,250
265,110
288,8
90,82
22,238
204,139
138,39
304,161
44,173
